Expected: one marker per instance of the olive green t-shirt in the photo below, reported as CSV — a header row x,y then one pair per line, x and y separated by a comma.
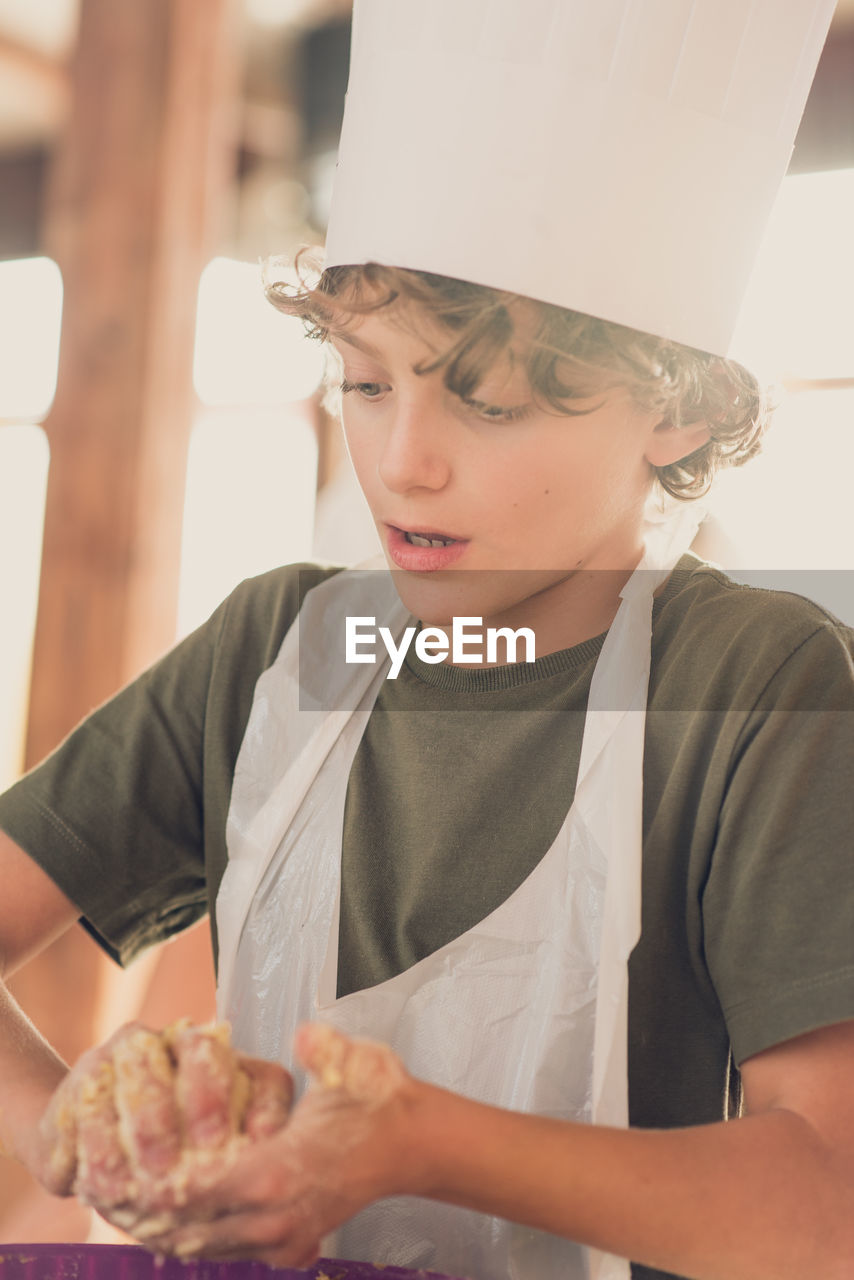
x,y
459,786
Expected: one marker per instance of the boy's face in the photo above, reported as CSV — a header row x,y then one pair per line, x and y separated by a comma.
x,y
544,511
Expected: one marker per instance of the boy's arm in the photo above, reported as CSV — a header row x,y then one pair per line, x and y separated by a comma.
x,y
765,1197
33,912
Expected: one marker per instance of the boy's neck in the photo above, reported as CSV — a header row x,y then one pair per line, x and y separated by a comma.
x,y
567,612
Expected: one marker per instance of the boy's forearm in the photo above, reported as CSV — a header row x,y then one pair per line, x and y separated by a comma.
x,y
30,1072
761,1198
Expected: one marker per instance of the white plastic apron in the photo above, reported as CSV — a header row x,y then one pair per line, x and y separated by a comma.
x,y
528,1009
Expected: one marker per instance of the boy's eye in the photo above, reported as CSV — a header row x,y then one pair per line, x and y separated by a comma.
x,y
367,390
498,413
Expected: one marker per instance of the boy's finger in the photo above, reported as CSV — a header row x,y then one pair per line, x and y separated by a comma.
x,y
364,1069
58,1128
322,1050
270,1099
268,1235
103,1177
211,1091
149,1122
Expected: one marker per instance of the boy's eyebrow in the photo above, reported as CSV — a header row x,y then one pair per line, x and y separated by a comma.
x,y
367,348
338,335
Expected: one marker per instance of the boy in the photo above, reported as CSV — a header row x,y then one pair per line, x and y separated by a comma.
x,y
463,886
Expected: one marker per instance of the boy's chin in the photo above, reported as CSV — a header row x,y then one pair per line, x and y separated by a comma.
x,y
437,598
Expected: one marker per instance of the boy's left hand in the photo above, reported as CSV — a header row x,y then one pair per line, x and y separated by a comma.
x,y
143,1124
344,1147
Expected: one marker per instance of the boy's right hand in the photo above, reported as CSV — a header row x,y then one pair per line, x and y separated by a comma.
x,y
146,1121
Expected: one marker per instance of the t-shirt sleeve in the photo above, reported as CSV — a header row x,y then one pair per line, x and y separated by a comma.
x,y
777,903
114,815
128,815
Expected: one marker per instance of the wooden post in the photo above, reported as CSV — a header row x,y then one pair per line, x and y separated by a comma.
x,y
137,179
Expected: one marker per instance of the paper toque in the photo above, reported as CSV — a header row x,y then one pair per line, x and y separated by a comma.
x,y
617,157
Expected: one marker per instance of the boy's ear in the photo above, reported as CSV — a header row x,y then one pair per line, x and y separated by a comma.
x,y
668,444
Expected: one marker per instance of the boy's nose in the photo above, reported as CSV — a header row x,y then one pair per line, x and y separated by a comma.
x,y
414,455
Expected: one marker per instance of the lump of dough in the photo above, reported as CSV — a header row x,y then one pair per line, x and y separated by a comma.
x,y
159,1115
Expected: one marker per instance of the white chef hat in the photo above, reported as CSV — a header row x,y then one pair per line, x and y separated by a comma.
x,y
616,157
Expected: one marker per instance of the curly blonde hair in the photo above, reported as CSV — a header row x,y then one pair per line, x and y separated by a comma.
x,y
569,356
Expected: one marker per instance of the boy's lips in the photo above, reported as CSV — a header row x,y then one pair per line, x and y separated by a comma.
x,y
427,535
423,550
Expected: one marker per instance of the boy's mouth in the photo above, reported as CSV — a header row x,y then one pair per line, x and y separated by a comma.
x,y
423,550
428,539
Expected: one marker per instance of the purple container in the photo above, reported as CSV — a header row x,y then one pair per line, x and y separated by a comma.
x,y
130,1262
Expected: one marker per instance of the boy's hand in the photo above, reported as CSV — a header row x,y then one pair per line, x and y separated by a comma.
x,y
146,1122
347,1144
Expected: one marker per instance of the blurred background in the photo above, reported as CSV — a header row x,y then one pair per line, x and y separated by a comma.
x,y
162,434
